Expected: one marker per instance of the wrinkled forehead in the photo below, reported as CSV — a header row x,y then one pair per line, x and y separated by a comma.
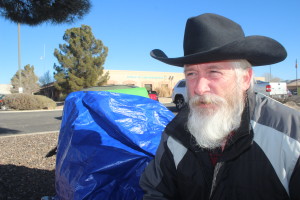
x,y
221,65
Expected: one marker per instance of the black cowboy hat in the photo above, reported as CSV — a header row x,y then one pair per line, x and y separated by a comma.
x,y
210,37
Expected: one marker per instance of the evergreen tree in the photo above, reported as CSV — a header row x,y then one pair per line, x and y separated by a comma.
x,y
34,12
28,81
81,61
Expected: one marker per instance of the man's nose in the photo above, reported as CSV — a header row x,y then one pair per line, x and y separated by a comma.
x,y
202,86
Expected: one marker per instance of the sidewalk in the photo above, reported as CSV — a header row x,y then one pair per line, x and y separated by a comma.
x,y
165,99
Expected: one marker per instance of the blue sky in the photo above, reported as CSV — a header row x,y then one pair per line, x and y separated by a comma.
x,y
132,28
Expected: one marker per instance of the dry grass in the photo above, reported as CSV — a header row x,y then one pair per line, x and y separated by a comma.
x,y
163,91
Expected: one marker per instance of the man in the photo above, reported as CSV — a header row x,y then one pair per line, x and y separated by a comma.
x,y
228,143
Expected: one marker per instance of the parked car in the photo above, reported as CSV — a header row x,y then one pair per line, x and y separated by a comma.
x,y
295,92
127,89
289,93
153,95
179,94
1,100
275,90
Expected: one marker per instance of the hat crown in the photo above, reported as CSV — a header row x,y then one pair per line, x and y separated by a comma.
x,y
208,31
210,37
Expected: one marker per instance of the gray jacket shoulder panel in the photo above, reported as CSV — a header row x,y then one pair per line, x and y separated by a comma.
x,y
177,149
281,150
272,113
276,130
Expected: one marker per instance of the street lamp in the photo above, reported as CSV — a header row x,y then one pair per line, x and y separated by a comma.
x,y
43,60
19,60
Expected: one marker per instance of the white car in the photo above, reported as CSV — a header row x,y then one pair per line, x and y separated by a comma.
x,y
179,94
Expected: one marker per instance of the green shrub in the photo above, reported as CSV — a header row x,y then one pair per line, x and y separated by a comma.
x,y
28,102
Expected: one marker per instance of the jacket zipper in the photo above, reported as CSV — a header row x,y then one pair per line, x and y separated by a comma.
x,y
214,181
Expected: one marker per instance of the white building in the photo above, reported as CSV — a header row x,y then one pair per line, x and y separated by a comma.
x,y
5,88
148,79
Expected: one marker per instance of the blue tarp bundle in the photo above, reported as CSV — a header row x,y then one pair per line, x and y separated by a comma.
x,y
105,142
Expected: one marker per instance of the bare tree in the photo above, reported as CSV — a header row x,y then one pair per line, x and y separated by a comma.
x,y
270,78
46,78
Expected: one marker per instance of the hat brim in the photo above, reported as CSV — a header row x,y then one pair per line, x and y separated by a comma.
x,y
258,50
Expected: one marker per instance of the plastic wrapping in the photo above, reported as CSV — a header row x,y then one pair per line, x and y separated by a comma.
x,y
105,142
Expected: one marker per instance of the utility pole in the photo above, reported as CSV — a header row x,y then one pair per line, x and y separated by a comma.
x,y
296,77
270,77
19,60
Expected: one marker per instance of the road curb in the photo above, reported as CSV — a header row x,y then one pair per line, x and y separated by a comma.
x,y
27,134
14,111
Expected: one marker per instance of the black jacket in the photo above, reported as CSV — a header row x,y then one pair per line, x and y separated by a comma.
x,y
261,161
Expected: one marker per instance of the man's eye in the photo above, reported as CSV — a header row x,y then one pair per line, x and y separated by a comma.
x,y
190,74
215,72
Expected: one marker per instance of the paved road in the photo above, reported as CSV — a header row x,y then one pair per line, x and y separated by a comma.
x,y
29,122
36,121
171,107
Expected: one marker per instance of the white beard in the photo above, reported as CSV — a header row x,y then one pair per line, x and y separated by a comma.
x,y
211,126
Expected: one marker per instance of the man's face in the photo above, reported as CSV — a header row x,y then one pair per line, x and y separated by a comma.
x,y
216,100
214,78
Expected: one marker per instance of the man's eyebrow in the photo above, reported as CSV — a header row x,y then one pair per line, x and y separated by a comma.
x,y
213,66
188,70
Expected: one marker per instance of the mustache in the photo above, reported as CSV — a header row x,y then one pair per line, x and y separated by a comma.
x,y
206,99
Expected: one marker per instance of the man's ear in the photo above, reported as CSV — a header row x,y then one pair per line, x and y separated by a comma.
x,y
247,78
